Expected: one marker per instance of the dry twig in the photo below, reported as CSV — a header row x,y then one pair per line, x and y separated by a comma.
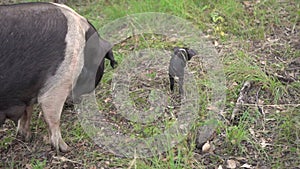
x,y
239,103
64,159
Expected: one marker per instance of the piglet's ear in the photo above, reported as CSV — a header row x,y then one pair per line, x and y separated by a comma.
x,y
176,50
191,53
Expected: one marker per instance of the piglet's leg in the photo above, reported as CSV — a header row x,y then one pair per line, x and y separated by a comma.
x,y
181,91
24,123
171,82
52,104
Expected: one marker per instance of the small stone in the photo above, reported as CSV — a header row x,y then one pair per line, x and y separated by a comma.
x,y
206,147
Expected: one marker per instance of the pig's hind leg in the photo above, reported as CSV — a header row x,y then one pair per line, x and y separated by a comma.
x,y
52,103
24,123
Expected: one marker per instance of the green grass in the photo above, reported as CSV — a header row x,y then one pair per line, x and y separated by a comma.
x,y
37,164
241,67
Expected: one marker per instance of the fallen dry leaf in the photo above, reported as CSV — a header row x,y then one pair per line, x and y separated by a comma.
x,y
28,166
252,132
93,167
231,164
241,158
173,39
216,43
264,143
107,100
263,62
246,165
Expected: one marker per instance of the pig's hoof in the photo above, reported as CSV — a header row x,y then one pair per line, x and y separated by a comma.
x,y
26,135
63,147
